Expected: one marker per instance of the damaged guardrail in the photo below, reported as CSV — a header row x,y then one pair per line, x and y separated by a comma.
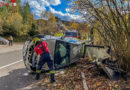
x,y
100,56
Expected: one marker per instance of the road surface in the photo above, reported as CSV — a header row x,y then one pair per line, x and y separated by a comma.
x,y
13,75
10,57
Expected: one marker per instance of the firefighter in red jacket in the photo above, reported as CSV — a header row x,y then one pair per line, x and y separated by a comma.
x,y
41,48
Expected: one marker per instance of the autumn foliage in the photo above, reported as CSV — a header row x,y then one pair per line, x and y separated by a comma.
x,y
110,21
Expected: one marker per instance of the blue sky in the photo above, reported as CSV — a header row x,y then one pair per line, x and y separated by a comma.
x,y
58,7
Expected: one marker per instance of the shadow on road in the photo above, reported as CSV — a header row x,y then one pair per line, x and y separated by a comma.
x,y
16,80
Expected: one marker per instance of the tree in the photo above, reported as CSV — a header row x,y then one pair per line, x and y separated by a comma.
x,y
33,31
49,25
110,19
27,14
1,23
28,19
74,26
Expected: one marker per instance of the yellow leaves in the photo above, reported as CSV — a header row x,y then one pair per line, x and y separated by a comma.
x,y
127,16
76,2
53,18
99,9
116,85
99,84
74,82
46,80
15,18
1,20
7,22
74,26
91,15
77,87
58,34
59,84
48,85
54,84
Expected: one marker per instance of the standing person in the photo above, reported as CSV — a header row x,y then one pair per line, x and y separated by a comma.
x,y
10,39
41,48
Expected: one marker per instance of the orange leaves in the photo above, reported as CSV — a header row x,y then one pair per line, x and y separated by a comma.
x,y
99,84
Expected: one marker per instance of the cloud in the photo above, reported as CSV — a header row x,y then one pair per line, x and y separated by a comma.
x,y
67,10
54,2
38,6
67,16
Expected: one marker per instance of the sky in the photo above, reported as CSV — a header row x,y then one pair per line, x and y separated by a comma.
x,y
58,7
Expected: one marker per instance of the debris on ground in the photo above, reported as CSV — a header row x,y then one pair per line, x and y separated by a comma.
x,y
70,79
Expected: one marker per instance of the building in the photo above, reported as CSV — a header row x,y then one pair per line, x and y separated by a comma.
x,y
3,3
7,3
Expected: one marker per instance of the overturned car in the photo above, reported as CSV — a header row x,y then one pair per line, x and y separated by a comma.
x,y
63,52
66,51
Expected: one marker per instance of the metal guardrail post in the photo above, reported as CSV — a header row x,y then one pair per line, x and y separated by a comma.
x,y
85,47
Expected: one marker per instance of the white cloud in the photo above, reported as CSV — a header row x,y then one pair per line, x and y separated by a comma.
x,y
67,9
43,2
38,6
54,2
67,16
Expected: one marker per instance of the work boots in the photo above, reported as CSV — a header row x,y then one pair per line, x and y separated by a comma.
x,y
52,77
37,77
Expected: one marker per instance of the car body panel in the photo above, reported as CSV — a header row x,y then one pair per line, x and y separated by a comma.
x,y
3,41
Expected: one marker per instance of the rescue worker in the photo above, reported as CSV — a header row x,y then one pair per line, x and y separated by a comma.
x,y
41,48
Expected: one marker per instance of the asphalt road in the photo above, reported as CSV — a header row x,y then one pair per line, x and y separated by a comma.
x,y
13,74
10,57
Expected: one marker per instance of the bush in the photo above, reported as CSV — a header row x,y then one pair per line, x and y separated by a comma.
x,y
20,38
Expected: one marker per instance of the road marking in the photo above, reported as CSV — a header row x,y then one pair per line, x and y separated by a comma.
x,y
10,64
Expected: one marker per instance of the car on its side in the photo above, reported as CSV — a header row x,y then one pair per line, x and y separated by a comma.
x,y
3,41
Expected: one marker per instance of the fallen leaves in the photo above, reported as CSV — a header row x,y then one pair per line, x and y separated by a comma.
x,y
99,84
116,85
70,79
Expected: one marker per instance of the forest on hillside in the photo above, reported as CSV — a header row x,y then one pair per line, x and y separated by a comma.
x,y
19,22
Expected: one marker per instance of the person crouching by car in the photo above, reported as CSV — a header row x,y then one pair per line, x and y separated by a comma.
x,y
41,48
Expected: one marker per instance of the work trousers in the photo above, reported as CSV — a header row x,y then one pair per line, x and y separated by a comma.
x,y
46,58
